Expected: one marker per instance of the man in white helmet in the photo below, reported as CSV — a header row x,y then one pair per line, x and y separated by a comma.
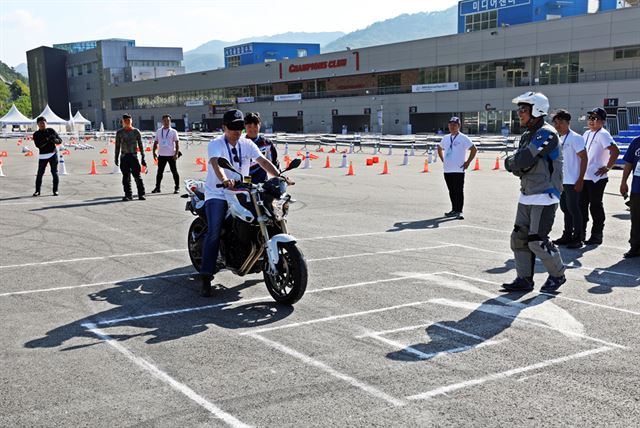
x,y
538,164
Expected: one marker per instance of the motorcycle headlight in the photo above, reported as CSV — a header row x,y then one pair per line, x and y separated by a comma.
x,y
280,208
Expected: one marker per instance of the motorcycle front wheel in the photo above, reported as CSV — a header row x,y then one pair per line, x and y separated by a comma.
x,y
195,240
290,283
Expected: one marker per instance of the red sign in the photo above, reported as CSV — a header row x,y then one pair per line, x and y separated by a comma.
x,y
334,63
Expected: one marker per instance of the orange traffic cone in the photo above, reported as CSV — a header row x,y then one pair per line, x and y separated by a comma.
x,y
29,153
287,162
350,172
333,150
477,167
327,164
103,151
385,168
312,156
204,167
104,162
148,149
321,150
426,165
497,167
66,152
93,168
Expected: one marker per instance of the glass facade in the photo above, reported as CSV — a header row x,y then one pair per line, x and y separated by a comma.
x,y
480,75
481,21
625,53
434,75
559,68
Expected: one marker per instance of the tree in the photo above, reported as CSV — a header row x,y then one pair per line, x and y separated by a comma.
x,y
23,103
5,99
19,88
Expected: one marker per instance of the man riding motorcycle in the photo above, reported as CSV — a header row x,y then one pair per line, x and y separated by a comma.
x,y
240,152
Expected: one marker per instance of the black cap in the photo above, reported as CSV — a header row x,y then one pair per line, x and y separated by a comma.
x,y
562,114
126,116
233,119
454,119
599,112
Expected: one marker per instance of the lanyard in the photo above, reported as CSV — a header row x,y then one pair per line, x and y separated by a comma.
x,y
565,138
164,137
594,137
239,153
452,140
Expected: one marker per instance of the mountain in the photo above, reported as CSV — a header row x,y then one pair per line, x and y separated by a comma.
x,y
399,29
211,54
14,89
22,69
9,74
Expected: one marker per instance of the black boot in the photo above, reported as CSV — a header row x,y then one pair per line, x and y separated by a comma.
x,y
595,239
205,290
519,284
563,240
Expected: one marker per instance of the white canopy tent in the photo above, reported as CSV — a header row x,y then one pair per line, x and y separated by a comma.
x,y
79,119
15,118
51,117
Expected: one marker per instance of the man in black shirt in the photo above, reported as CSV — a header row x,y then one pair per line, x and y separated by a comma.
x,y
46,140
128,139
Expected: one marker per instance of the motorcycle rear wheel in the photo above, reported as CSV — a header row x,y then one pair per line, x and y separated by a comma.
x,y
289,285
195,245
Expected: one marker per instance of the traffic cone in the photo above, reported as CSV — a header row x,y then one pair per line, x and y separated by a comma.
x,y
104,162
426,165
204,167
4,154
299,154
327,164
477,167
287,162
405,161
497,166
333,150
1,172
66,152
93,168
103,151
369,162
385,168
307,164
350,172
321,150
312,156
62,167
344,161
29,153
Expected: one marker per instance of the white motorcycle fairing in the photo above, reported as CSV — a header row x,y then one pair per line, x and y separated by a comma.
x,y
235,208
272,248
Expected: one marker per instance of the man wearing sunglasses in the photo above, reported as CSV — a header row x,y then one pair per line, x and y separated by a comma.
x,y
240,152
602,152
252,123
538,164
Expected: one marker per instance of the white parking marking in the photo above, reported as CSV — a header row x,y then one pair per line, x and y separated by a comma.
x,y
403,250
84,259
164,377
495,376
327,369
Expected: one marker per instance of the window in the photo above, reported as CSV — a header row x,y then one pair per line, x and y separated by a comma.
x,y
78,70
294,88
434,75
233,61
89,103
480,75
389,80
88,86
559,68
302,53
481,21
89,67
626,53
265,90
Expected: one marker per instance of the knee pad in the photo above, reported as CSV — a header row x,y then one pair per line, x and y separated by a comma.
x,y
519,237
541,247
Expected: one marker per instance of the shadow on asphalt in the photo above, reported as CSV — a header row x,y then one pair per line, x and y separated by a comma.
x,y
89,203
433,223
143,297
484,322
606,282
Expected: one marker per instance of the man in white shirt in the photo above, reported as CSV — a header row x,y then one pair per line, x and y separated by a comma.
x,y
452,150
602,152
574,166
240,152
168,152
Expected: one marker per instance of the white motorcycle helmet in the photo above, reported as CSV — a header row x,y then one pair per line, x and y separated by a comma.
x,y
538,101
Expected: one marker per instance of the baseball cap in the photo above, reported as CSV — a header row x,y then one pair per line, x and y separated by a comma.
x,y
234,120
599,112
455,119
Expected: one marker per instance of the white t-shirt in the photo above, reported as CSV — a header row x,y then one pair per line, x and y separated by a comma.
x,y
572,144
542,199
597,144
167,139
454,149
246,150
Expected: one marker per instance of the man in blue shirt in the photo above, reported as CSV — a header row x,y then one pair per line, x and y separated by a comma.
x,y
632,166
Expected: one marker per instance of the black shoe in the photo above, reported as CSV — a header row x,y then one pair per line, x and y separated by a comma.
x,y
563,240
142,198
176,190
127,198
575,244
519,284
459,216
594,240
451,213
633,252
205,290
553,283
36,193
156,190
55,193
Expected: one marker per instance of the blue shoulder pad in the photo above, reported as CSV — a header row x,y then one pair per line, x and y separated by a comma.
x,y
541,138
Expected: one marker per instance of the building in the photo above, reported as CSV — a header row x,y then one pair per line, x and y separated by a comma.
x,y
256,53
577,61
82,71
48,80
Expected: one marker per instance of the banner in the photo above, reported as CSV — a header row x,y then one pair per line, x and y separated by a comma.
x,y
193,103
245,100
435,87
287,97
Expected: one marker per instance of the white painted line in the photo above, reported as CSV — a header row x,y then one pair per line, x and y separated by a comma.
x,y
557,296
84,259
415,327
372,390
164,377
424,356
335,317
496,376
504,253
94,284
403,250
353,235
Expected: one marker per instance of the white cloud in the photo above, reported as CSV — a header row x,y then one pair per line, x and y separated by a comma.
x,y
24,20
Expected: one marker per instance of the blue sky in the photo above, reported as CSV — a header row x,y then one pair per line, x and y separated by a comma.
x,y
27,24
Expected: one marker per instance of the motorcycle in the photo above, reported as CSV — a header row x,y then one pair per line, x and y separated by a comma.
x,y
254,234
